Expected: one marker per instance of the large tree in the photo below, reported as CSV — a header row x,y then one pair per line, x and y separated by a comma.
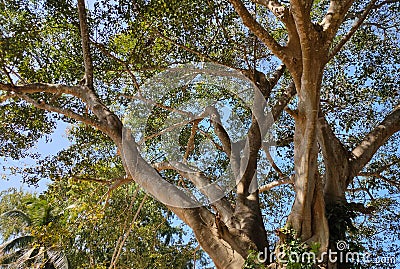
x,y
25,247
67,227
328,69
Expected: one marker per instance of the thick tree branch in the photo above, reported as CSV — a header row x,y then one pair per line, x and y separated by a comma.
x,y
357,23
201,220
87,58
107,118
259,30
363,153
283,101
336,163
212,191
247,208
208,234
219,129
147,177
248,162
276,183
274,78
237,239
285,16
302,19
42,87
333,18
62,111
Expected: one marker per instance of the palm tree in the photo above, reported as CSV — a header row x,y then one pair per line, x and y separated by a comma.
x,y
24,250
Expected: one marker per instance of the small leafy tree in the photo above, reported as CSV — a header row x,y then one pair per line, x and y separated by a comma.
x,y
120,229
25,247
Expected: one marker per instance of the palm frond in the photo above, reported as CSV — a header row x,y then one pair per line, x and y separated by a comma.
x,y
21,262
16,243
8,259
58,259
18,214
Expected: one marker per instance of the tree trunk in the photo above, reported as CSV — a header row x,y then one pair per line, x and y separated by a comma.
x,y
307,216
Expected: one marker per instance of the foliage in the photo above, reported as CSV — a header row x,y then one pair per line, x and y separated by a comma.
x,y
25,245
252,261
295,254
146,230
131,41
69,217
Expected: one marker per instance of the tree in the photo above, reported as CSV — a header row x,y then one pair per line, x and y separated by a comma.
x,y
326,67
25,248
37,229
140,234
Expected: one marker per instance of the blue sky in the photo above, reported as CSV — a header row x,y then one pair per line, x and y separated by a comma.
x,y
58,142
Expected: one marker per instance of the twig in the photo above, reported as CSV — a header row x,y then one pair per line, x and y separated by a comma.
x,y
122,237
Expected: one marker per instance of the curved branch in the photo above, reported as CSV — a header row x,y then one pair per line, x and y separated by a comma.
x,y
66,112
259,30
334,17
148,178
237,239
335,155
283,178
42,87
363,153
200,219
273,164
212,191
219,129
